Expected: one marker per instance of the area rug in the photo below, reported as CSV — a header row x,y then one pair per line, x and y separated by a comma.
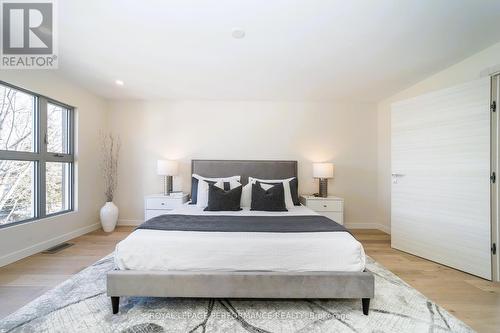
x,y
80,304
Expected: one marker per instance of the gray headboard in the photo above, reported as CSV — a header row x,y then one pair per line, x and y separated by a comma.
x,y
257,169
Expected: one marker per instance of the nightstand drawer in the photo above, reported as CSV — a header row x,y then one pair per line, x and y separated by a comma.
x,y
157,204
325,205
163,203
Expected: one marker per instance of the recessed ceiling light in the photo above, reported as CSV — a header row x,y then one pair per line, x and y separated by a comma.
x,y
119,82
238,33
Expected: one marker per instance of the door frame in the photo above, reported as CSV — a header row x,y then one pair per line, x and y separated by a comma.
x,y
495,162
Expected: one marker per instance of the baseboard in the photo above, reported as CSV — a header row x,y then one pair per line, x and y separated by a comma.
x,y
26,252
129,222
384,228
377,226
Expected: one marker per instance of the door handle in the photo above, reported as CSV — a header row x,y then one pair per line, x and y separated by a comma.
x,y
396,176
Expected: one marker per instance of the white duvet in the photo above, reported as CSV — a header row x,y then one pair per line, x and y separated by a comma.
x,y
240,251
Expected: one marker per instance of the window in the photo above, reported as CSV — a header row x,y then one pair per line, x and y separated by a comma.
x,y
36,156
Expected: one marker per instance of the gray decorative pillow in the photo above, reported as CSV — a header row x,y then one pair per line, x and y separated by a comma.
x,y
271,200
223,200
294,190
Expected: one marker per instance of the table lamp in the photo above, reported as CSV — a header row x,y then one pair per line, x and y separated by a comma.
x,y
323,171
167,169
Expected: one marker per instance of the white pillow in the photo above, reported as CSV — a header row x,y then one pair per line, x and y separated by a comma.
x,y
233,183
202,197
286,186
246,196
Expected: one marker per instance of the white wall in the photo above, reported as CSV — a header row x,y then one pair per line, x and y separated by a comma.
x,y
343,133
356,137
22,240
480,64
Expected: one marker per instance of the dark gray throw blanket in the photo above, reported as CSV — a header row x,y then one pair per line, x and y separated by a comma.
x,y
225,223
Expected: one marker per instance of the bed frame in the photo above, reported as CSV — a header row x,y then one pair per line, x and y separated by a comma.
x,y
214,284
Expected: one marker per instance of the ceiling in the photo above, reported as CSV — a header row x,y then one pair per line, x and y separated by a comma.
x,y
293,50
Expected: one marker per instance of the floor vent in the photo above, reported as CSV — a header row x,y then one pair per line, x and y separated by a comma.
x,y
57,248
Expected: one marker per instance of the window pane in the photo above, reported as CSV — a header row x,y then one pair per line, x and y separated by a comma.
x,y
57,129
57,187
16,191
16,120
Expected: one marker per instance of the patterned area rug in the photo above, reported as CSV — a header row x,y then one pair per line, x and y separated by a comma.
x,y
80,304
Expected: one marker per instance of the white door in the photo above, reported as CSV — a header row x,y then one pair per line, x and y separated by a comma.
x,y
441,177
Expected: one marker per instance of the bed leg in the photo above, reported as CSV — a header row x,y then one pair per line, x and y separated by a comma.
x,y
366,305
115,304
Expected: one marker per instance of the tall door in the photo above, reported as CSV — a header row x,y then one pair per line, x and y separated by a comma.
x,y
441,177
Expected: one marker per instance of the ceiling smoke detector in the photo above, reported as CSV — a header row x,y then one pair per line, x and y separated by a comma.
x,y
119,82
238,33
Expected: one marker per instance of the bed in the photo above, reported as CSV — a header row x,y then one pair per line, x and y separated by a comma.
x,y
242,263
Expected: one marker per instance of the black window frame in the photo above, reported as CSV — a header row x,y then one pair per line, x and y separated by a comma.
x,y
40,156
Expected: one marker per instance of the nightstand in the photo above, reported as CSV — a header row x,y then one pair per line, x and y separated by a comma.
x,y
331,207
159,204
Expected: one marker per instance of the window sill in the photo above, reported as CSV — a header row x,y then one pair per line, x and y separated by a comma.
x,y
36,220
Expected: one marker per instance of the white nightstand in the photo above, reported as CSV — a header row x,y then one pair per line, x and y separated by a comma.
x,y
159,204
331,207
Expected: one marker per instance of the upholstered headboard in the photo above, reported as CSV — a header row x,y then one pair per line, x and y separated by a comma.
x,y
257,169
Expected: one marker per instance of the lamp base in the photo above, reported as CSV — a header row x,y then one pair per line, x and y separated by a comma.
x,y
167,185
323,187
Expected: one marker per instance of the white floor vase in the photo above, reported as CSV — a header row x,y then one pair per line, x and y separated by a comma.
x,y
109,216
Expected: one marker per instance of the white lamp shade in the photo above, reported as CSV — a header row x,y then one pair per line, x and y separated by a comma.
x,y
167,168
323,170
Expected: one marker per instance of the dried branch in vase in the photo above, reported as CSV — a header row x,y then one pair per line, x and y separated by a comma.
x,y
110,153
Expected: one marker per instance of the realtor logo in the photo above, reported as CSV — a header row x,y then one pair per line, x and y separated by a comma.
x,y
28,34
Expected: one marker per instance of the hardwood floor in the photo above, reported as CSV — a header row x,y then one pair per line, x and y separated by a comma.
x,y
26,279
471,299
